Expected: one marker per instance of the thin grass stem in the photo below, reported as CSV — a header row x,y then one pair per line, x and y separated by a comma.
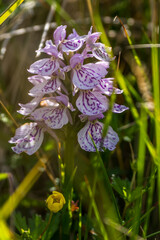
x,y
8,113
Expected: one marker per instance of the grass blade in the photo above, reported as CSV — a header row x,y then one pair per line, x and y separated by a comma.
x,y
9,10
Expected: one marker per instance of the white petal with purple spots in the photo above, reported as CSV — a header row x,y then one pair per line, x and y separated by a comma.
x,y
31,141
91,103
44,88
71,45
92,132
44,67
111,139
88,76
55,118
50,49
119,108
22,131
36,79
84,138
27,108
106,86
99,52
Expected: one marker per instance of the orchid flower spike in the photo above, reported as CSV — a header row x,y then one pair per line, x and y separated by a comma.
x,y
70,84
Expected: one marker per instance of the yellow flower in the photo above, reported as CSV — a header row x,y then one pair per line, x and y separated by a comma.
x,y
55,201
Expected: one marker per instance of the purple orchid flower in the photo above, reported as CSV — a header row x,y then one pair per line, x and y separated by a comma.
x,y
46,87
119,108
56,114
91,103
47,84
92,132
44,67
99,52
59,34
88,75
47,66
106,87
37,79
28,138
71,44
27,108
86,81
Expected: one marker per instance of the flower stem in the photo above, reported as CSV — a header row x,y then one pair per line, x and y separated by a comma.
x,y
49,221
69,155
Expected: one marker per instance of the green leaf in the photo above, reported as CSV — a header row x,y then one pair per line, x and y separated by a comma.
x,y
20,222
122,187
36,224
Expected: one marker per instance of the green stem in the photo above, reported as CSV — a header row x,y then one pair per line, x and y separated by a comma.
x,y
90,207
49,221
109,188
140,167
69,154
150,199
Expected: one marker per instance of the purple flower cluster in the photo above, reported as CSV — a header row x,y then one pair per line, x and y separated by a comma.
x,y
65,70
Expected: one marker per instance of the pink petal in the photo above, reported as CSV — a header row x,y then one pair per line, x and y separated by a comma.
x,y
73,35
50,49
44,67
59,34
91,103
62,99
76,59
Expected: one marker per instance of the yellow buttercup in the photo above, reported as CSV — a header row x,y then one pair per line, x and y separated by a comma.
x,y
55,201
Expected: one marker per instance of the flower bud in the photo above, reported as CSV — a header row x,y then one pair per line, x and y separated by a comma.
x,y
55,201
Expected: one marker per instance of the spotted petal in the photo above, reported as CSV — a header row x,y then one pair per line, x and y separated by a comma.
x,y
88,76
71,45
27,108
44,67
31,141
99,52
111,139
74,34
92,132
119,108
91,103
50,49
106,86
36,79
22,131
46,87
59,34
55,118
